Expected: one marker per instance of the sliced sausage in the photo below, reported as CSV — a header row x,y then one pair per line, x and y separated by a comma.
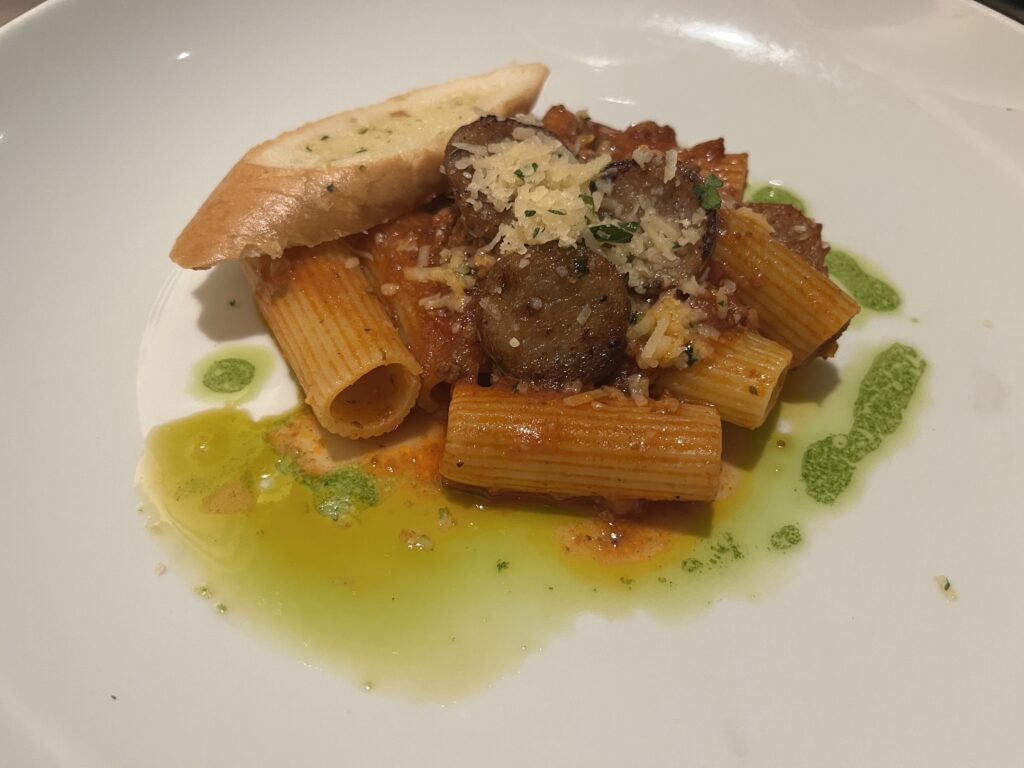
x,y
796,231
638,189
554,316
481,218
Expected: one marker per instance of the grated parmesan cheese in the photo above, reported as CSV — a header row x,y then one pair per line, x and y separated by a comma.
x,y
670,165
593,395
643,154
457,271
541,181
661,336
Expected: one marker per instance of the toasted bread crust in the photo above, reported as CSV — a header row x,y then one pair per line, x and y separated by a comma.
x,y
265,209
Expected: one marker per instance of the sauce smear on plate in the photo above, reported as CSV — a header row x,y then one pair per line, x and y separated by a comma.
x,y
367,566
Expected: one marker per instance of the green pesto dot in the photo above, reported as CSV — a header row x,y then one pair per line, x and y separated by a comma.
x,y
786,537
231,374
340,494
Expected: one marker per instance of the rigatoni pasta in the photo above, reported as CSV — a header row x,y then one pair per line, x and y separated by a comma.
x,y
536,442
797,306
434,319
358,376
742,378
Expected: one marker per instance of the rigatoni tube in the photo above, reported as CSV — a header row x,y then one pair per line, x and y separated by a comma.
x,y
436,322
742,379
536,442
797,306
358,376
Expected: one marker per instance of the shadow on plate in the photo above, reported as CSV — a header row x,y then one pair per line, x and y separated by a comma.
x,y
811,383
226,309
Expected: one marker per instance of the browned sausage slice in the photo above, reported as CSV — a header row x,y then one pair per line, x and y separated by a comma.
x,y
639,189
481,218
554,316
795,231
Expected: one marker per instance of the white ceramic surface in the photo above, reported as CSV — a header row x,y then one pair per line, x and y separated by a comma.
x,y
903,123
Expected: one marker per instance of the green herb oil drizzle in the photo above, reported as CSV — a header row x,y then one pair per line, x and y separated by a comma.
x,y
869,291
885,392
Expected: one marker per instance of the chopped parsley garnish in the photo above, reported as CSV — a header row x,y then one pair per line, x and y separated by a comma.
x,y
556,211
707,192
536,231
330,187
634,316
593,186
627,581
502,565
361,131
529,214
325,137
691,358
360,150
580,265
615,233
588,200
519,171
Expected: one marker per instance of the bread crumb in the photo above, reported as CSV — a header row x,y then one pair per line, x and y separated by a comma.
x,y
947,588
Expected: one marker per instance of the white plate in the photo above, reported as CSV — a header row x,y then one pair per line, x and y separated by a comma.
x,y
905,127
